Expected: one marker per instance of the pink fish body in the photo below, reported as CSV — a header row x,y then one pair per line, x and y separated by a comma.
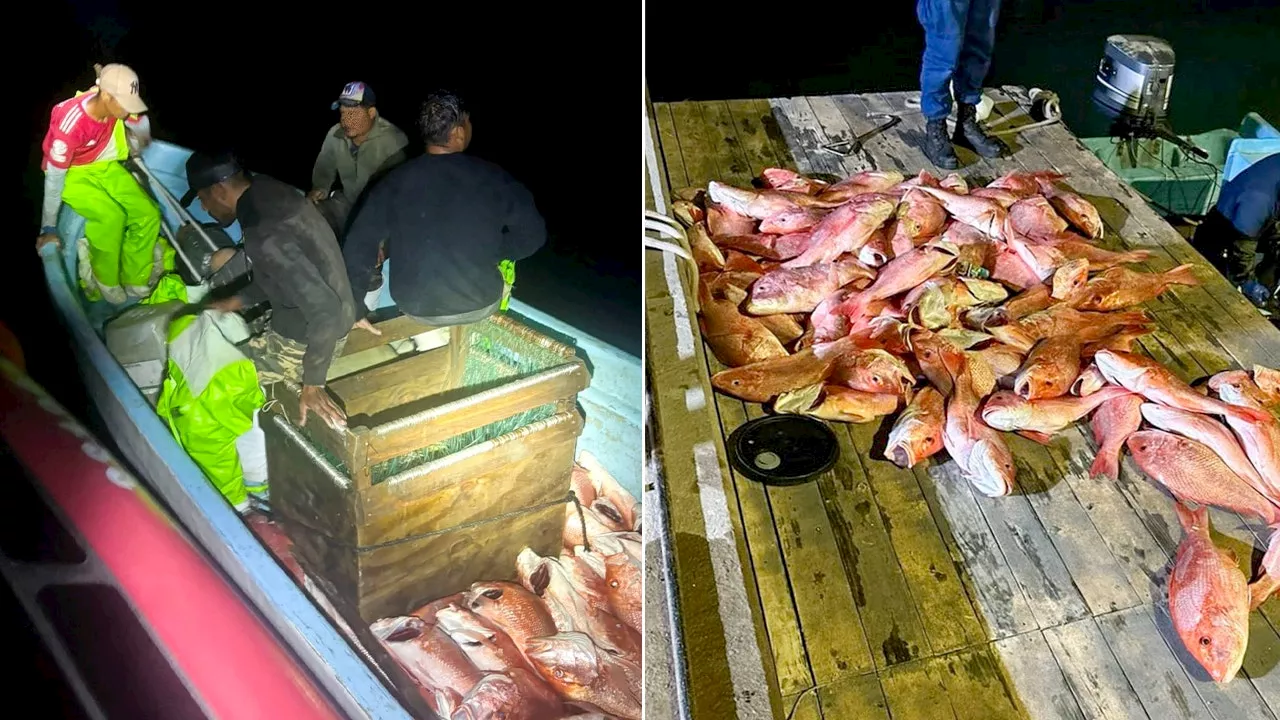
x,y
1112,424
1193,472
1208,599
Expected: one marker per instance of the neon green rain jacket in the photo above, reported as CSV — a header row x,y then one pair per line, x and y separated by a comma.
x,y
210,396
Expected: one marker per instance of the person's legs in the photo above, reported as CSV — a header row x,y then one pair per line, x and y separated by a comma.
x,y
1214,238
971,72
943,22
139,261
277,357
103,231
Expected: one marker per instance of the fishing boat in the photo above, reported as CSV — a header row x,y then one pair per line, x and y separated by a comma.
x,y
1180,176
302,617
1177,183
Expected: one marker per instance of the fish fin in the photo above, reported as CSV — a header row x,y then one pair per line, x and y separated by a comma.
x,y
1182,275
1129,317
1192,520
1249,414
1261,589
1042,438
1105,464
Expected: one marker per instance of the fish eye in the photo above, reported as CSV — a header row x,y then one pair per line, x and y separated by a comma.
x,y
613,583
559,673
1206,641
493,594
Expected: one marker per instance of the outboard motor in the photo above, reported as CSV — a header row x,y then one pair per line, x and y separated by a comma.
x,y
1135,77
1132,88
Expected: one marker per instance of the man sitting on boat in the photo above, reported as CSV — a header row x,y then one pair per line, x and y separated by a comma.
x,y
361,146
88,137
297,266
1241,234
454,224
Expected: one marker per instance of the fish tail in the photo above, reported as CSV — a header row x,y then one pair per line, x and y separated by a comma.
x,y
1192,520
1182,275
1106,463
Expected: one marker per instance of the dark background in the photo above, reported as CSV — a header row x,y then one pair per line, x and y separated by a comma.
x,y
259,78
1227,60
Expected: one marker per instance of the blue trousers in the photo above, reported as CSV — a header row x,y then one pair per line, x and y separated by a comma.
x,y
958,38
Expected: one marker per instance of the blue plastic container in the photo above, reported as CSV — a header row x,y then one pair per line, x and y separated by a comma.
x,y
1258,139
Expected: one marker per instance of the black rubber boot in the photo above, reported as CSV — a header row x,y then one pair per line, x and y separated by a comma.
x,y
937,147
969,134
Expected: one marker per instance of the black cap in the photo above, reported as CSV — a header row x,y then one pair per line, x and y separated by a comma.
x,y
204,170
355,94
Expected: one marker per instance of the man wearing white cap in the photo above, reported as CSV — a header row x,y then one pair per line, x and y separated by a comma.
x,y
88,137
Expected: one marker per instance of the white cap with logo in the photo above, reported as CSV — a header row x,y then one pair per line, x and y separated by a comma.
x,y
121,82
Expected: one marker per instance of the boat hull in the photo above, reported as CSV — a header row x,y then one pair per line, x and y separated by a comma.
x,y
611,406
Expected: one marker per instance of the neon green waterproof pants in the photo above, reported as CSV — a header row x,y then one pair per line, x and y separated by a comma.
x,y
122,225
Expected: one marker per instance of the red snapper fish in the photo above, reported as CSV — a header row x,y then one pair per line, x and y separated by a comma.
x,y
761,204
1112,424
431,658
978,212
1156,383
1208,599
510,695
1210,432
979,451
917,433
783,179
581,672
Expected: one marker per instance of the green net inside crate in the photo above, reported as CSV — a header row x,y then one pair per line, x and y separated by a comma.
x,y
497,356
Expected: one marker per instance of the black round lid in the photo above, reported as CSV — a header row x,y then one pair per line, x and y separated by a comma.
x,y
783,449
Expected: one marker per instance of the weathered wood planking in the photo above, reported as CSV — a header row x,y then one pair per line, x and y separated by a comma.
x,y
824,597
705,531
1073,549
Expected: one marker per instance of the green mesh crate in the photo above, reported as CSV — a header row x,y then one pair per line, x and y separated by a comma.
x,y
453,461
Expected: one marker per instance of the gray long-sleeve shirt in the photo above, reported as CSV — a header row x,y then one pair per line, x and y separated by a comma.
x,y
355,165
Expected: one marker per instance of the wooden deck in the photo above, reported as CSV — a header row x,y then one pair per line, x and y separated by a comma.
x,y
877,592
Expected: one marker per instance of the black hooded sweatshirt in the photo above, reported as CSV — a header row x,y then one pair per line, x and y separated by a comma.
x,y
447,221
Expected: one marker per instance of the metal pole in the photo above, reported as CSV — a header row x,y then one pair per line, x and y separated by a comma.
x,y
183,214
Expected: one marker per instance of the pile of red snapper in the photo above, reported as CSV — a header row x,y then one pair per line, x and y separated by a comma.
x,y
968,312
564,642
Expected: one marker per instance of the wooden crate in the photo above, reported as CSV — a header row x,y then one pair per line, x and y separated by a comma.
x,y
438,481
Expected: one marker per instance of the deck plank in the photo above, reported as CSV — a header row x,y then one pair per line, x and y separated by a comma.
x,y
1093,673
834,638
892,625
918,689
1002,599
980,688
1153,671
858,696
689,431
1040,682
770,566
934,578
824,598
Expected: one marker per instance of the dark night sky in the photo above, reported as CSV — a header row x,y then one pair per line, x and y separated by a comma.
x,y
259,78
